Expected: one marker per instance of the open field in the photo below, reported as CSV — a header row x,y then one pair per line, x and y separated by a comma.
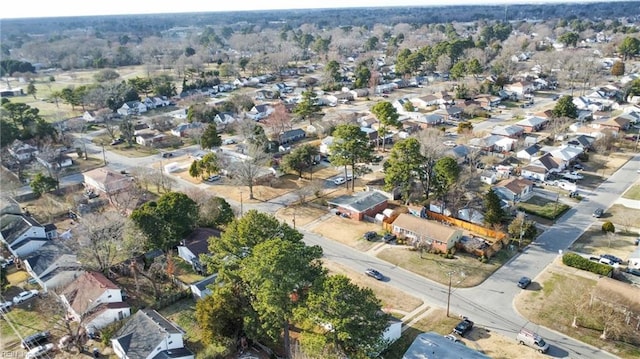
x,y
303,214
596,242
469,271
347,231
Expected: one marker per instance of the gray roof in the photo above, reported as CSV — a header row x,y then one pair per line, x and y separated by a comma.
x,y
174,354
52,254
432,345
360,201
14,225
532,150
509,130
140,335
203,284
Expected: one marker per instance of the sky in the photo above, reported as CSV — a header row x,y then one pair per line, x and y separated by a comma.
x,y
58,8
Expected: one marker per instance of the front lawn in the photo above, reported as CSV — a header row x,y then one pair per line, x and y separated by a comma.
x,y
633,193
543,207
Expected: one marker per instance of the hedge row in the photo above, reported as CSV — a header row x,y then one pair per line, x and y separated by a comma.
x,y
577,261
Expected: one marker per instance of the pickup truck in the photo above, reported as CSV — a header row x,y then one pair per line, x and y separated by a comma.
x,y
463,327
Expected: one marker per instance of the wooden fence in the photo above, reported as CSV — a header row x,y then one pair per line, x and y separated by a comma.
x,y
488,233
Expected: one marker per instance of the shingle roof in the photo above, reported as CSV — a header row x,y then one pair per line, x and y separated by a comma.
x,y
360,201
140,335
84,291
424,227
197,241
515,185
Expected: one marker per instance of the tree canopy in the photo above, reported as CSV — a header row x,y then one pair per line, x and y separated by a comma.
x,y
493,208
300,158
210,137
350,147
565,108
402,168
388,116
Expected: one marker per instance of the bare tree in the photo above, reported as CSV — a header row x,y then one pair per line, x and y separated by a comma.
x,y
280,120
195,134
52,307
432,149
79,125
576,298
245,172
99,239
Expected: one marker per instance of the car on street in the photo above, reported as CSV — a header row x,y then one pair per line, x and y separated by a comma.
x,y
463,327
39,351
370,236
612,258
5,306
167,155
524,282
36,339
598,212
339,180
389,237
26,295
377,158
633,271
229,141
349,178
374,274
117,141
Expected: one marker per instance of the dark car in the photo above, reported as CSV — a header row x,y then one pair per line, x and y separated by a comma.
x,y
370,236
634,271
578,166
612,258
374,274
117,141
167,155
389,237
34,340
524,282
598,212
463,327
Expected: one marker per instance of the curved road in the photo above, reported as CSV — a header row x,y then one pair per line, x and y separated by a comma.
x,y
490,304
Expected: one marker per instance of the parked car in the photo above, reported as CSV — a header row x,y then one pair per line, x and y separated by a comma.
x,y
374,274
5,306
26,295
526,337
463,327
35,339
117,141
213,178
598,212
578,166
612,258
452,338
167,155
339,180
370,236
389,237
633,271
229,141
39,351
524,282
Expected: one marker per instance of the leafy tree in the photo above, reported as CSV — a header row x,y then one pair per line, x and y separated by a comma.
x,y
565,108
42,184
388,116
219,315
618,68
331,74
403,167
22,115
167,221
215,212
202,113
569,38
371,43
608,227
9,131
629,47
243,63
10,66
106,75
307,107
210,137
204,167
32,90
465,127
520,225
363,75
300,158
474,67
189,51
493,208
141,84
341,317
277,274
350,148
458,70
446,172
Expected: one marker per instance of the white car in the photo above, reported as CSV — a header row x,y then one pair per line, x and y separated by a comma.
x,y
39,351
339,180
5,306
26,295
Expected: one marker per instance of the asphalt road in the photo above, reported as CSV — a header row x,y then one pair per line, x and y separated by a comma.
x,y
490,304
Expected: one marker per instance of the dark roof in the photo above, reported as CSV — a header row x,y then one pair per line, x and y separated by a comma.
x,y
50,227
52,254
296,132
532,150
198,240
203,284
27,240
14,225
174,353
140,335
360,201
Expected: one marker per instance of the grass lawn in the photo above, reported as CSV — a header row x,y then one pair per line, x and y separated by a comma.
x,y
26,319
436,268
595,242
185,272
183,313
633,193
543,207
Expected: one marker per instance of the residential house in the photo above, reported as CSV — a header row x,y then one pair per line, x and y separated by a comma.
x,y
359,93
90,117
460,153
200,289
549,163
195,244
259,112
147,335
371,133
520,88
183,129
53,266
22,151
514,189
325,145
439,237
534,172
504,144
528,153
360,204
511,131
428,121
160,101
581,142
532,123
486,143
132,108
23,235
425,101
94,301
224,119
616,124
282,88
291,136
149,138
488,177
400,104
54,161
106,181
471,215
340,97
487,101
454,112
435,345
385,88
565,153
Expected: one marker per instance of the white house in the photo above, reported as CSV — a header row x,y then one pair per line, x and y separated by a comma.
x,y
325,145
53,266
200,289
22,151
634,259
489,177
147,335
95,301
23,235
132,108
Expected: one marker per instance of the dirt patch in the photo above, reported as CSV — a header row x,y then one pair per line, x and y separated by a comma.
x,y
347,231
469,271
393,300
303,215
595,242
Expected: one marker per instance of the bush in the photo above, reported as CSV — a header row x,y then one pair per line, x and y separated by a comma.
x,y
608,227
577,261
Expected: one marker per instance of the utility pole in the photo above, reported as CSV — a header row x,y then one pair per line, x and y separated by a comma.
x,y
294,220
241,209
449,294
